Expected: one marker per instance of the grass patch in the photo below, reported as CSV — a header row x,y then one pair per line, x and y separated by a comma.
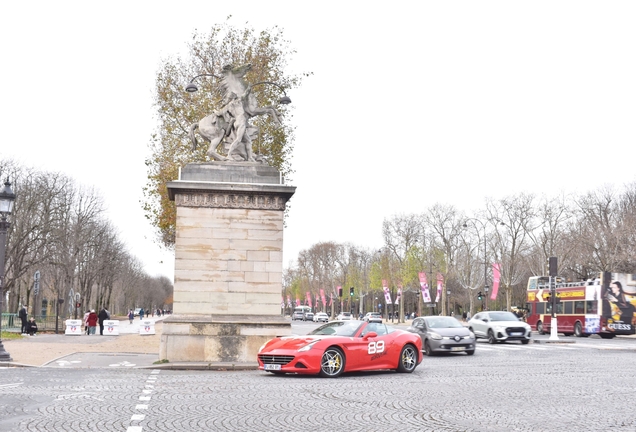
x,y
162,361
10,335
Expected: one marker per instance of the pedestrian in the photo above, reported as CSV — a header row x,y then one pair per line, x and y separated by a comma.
x,y
32,327
86,321
131,316
92,322
468,315
464,315
23,318
141,314
103,315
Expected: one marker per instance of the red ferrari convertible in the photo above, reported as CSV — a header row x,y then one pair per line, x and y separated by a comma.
x,y
342,346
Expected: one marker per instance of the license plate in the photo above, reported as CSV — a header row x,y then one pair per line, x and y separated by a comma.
x,y
516,334
272,367
458,349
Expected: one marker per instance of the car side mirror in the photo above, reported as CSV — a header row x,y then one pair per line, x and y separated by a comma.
x,y
370,335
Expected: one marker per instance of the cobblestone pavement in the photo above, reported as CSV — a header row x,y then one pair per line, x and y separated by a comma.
x,y
587,386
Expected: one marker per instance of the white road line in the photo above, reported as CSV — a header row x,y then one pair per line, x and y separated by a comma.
x,y
144,398
134,429
146,391
137,417
141,407
5,386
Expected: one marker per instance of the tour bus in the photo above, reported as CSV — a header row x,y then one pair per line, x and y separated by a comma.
x,y
604,305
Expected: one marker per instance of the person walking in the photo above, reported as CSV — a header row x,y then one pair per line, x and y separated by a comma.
x,y
86,321
103,316
141,314
131,316
92,322
23,318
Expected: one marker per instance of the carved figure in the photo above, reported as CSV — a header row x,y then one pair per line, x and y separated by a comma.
x,y
230,124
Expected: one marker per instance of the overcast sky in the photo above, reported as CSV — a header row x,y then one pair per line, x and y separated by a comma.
x,y
410,104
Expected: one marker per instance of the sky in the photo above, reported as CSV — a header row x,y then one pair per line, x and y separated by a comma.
x,y
410,103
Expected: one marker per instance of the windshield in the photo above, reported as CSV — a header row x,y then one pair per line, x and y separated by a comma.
x,y
338,328
503,316
443,322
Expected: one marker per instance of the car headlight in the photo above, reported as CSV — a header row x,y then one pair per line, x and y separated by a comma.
x,y
436,336
307,347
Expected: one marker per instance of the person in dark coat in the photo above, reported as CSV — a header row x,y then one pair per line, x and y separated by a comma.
x,y
23,317
103,315
32,327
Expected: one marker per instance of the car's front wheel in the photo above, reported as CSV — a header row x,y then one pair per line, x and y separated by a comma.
x,y
471,352
491,337
332,363
525,341
408,359
427,349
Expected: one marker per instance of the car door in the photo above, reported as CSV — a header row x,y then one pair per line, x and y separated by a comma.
x,y
369,353
478,325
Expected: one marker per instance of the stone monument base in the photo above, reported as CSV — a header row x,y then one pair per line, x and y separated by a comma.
x,y
218,338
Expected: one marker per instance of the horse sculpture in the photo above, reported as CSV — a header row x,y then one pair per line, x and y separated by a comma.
x,y
230,125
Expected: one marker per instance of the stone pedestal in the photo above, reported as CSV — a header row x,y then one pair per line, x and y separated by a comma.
x,y
228,262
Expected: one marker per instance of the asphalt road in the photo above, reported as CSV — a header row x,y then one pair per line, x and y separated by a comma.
x,y
582,386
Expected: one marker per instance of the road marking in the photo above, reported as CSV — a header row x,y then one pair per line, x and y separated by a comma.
x,y
137,417
146,391
7,386
134,429
141,407
144,398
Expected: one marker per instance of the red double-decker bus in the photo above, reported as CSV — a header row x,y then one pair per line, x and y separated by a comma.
x,y
605,305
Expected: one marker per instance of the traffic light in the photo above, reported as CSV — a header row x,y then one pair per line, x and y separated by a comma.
x,y
339,291
351,291
479,295
552,266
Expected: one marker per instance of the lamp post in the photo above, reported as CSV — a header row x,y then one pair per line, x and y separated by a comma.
x,y
6,206
448,308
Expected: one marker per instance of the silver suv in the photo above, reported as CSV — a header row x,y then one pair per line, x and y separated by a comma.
x,y
499,326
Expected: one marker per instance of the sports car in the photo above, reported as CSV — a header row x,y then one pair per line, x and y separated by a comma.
x,y
342,346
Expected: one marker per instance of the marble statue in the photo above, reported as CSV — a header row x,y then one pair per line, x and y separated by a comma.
x,y
230,125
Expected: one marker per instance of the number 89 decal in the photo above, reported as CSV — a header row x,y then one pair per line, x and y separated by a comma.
x,y
375,347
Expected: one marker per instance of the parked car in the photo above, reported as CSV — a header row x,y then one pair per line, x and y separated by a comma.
x,y
373,317
298,316
321,317
137,310
309,316
443,334
499,326
344,316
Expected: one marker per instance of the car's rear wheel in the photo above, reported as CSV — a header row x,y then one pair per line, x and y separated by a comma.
x,y
540,328
332,363
408,359
491,337
471,352
525,341
427,349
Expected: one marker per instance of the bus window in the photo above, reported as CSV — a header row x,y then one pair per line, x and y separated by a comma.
x,y
548,307
529,309
540,308
569,306
559,308
579,307
591,307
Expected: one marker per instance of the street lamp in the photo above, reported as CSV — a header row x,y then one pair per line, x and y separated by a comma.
x,y
448,300
6,206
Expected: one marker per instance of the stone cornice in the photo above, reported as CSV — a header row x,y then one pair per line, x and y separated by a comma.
x,y
231,200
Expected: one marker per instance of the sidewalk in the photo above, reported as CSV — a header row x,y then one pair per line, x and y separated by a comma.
x,y
45,348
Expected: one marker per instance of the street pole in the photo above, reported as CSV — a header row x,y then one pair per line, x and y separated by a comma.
x,y
4,226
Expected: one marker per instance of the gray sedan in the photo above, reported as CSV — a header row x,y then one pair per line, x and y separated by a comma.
x,y
443,334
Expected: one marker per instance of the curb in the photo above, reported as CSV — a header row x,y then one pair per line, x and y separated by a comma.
x,y
215,366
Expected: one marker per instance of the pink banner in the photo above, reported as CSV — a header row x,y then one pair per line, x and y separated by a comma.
x,y
308,299
387,294
496,275
399,294
322,297
440,282
289,301
426,295
297,302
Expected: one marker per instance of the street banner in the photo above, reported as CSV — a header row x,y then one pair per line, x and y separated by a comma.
x,y
322,297
289,304
399,294
387,294
440,282
496,275
426,295
308,299
297,301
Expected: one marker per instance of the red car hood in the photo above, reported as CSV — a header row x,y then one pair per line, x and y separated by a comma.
x,y
291,342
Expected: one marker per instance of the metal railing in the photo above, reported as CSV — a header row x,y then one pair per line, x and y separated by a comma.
x,y
11,322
